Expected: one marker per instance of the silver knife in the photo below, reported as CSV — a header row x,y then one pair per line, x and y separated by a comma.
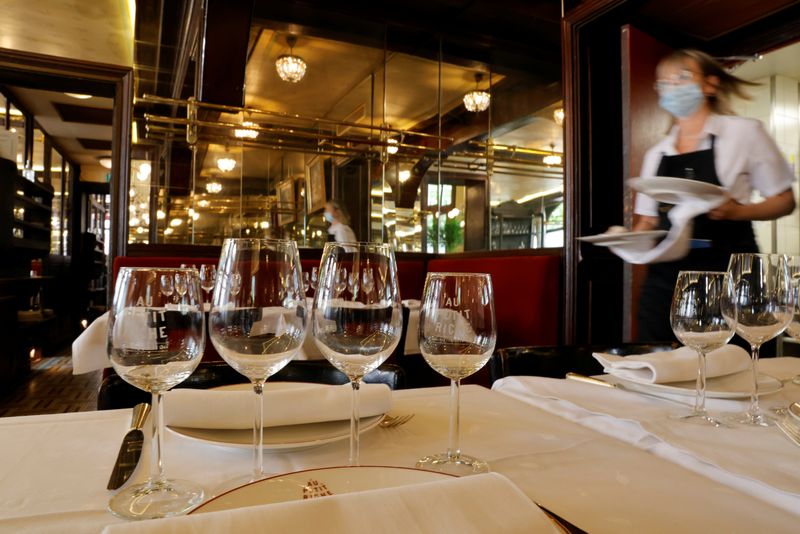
x,y
131,448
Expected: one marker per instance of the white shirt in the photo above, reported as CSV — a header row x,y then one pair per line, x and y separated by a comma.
x,y
745,156
342,233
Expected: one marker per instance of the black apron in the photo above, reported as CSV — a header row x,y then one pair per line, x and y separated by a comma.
x,y
726,237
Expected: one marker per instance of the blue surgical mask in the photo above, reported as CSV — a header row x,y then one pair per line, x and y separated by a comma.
x,y
328,216
682,100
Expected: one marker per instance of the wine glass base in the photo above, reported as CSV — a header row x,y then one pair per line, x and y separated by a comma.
x,y
796,380
153,500
698,418
748,419
460,465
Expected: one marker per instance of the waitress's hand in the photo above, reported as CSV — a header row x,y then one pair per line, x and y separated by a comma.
x,y
730,211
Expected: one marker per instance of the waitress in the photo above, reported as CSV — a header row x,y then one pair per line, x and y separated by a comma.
x,y
708,144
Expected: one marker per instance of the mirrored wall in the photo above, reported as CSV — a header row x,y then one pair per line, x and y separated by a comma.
x,y
431,154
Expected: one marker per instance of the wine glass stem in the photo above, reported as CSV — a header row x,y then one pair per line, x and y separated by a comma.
x,y
258,431
753,411
700,398
453,450
355,423
156,464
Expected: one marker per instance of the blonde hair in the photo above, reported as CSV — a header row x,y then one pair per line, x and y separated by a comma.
x,y
728,85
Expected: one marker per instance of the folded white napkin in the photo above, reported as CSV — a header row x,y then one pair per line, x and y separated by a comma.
x,y
676,365
475,504
90,349
676,244
412,304
285,404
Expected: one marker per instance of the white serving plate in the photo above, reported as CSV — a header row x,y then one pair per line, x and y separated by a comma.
x,y
675,190
622,238
277,438
735,386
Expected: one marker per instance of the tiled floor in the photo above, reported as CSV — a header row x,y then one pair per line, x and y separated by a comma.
x,y
52,388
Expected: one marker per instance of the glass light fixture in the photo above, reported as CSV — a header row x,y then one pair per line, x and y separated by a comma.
x,y
477,100
226,164
404,176
213,187
392,147
105,162
176,222
290,68
558,116
552,159
246,132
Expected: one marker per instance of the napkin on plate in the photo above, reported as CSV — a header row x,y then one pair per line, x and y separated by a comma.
x,y
677,242
90,349
675,365
288,403
474,504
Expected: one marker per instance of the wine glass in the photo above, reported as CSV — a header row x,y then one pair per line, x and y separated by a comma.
x,y
457,334
208,277
352,283
759,289
258,317
367,282
340,281
793,328
356,336
155,345
701,319
166,284
181,285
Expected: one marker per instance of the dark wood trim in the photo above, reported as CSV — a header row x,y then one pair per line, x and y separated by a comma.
x,y
576,158
121,165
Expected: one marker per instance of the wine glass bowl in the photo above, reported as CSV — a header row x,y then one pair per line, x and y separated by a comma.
x,y
155,345
759,288
258,317
703,320
356,335
457,335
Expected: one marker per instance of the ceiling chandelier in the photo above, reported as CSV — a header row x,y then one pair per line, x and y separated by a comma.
x,y
552,159
477,100
247,131
226,164
290,68
213,187
558,116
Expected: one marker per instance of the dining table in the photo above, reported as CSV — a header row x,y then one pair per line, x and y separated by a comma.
x,y
603,459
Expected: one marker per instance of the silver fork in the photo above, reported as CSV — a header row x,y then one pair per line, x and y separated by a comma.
x,y
390,421
789,430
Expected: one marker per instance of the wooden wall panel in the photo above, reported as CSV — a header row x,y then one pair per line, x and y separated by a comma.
x,y
643,124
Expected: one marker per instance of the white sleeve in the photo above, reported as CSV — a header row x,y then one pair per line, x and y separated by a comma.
x,y
644,204
770,174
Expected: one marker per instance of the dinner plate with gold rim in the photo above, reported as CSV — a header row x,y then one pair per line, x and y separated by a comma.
x,y
310,483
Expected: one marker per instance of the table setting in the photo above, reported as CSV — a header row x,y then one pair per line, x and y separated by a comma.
x,y
610,453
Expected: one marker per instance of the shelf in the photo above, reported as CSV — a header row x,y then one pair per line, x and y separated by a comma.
x,y
36,187
32,226
30,243
33,203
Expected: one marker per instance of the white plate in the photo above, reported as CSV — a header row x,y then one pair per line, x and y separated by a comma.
x,y
675,190
622,238
735,386
277,438
317,483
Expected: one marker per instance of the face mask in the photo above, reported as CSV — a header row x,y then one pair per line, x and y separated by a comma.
x,y
328,216
682,100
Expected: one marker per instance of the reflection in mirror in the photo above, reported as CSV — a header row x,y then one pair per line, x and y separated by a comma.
x,y
432,154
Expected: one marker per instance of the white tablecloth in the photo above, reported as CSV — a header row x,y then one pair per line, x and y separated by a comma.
x,y
55,467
